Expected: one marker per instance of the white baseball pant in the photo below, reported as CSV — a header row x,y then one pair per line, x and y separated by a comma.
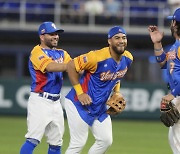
x,y
102,132
45,117
174,131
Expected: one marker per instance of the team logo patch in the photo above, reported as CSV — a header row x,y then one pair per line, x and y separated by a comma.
x,y
54,26
85,59
43,31
41,57
120,30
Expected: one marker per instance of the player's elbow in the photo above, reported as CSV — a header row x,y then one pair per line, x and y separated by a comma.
x,y
70,66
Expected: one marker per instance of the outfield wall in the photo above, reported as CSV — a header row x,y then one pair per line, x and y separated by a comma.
x,y
143,99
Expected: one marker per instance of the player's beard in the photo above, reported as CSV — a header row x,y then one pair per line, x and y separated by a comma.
x,y
118,50
52,43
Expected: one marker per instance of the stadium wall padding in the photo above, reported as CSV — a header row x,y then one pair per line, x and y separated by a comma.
x,y
143,99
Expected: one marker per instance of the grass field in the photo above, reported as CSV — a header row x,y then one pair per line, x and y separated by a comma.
x,y
130,137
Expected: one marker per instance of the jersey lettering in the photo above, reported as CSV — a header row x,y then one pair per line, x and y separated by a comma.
x,y
112,76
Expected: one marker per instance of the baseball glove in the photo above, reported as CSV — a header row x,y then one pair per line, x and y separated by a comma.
x,y
169,114
116,104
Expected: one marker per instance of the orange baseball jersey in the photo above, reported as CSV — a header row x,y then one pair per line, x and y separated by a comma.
x,y
101,75
43,81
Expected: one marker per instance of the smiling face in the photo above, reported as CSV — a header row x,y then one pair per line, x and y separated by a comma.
x,y
118,43
49,40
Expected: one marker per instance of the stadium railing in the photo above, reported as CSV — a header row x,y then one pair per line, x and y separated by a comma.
x,y
25,14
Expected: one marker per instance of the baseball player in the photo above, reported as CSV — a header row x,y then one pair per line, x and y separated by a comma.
x,y
170,60
85,104
44,110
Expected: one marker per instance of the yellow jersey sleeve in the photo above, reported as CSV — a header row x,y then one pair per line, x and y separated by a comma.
x,y
178,53
67,57
39,59
117,87
86,61
128,54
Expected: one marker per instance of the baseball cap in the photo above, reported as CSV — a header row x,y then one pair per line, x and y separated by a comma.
x,y
176,15
48,27
115,30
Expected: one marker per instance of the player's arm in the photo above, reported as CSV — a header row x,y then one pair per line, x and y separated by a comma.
x,y
59,67
44,63
84,62
56,67
156,37
74,78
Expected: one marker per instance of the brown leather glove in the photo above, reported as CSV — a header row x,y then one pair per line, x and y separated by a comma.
x,y
116,104
169,114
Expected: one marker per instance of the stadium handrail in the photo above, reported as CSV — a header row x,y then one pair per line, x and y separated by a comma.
x,y
134,15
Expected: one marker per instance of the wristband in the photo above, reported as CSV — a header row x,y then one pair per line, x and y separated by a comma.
x,y
157,50
161,57
78,89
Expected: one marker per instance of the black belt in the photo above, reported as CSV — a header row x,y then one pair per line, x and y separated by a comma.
x,y
53,98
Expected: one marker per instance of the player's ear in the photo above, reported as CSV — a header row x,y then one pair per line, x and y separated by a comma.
x,y
41,38
109,41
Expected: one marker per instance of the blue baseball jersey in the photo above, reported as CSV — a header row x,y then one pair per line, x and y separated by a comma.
x,y
173,67
101,74
43,81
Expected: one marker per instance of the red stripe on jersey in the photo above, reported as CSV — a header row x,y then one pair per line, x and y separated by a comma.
x,y
85,83
41,81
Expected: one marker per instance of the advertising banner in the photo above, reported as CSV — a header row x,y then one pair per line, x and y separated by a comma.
x,y
143,99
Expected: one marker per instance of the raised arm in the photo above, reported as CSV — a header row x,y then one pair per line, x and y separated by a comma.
x,y
156,37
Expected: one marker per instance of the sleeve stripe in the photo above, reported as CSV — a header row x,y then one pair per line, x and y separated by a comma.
x,y
79,63
42,64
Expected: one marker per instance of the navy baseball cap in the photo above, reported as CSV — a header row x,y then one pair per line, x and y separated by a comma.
x,y
115,30
48,27
176,15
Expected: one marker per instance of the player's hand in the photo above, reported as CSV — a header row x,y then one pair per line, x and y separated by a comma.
x,y
167,98
155,34
85,99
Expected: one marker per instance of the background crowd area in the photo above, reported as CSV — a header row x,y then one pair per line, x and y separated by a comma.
x,y
103,12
